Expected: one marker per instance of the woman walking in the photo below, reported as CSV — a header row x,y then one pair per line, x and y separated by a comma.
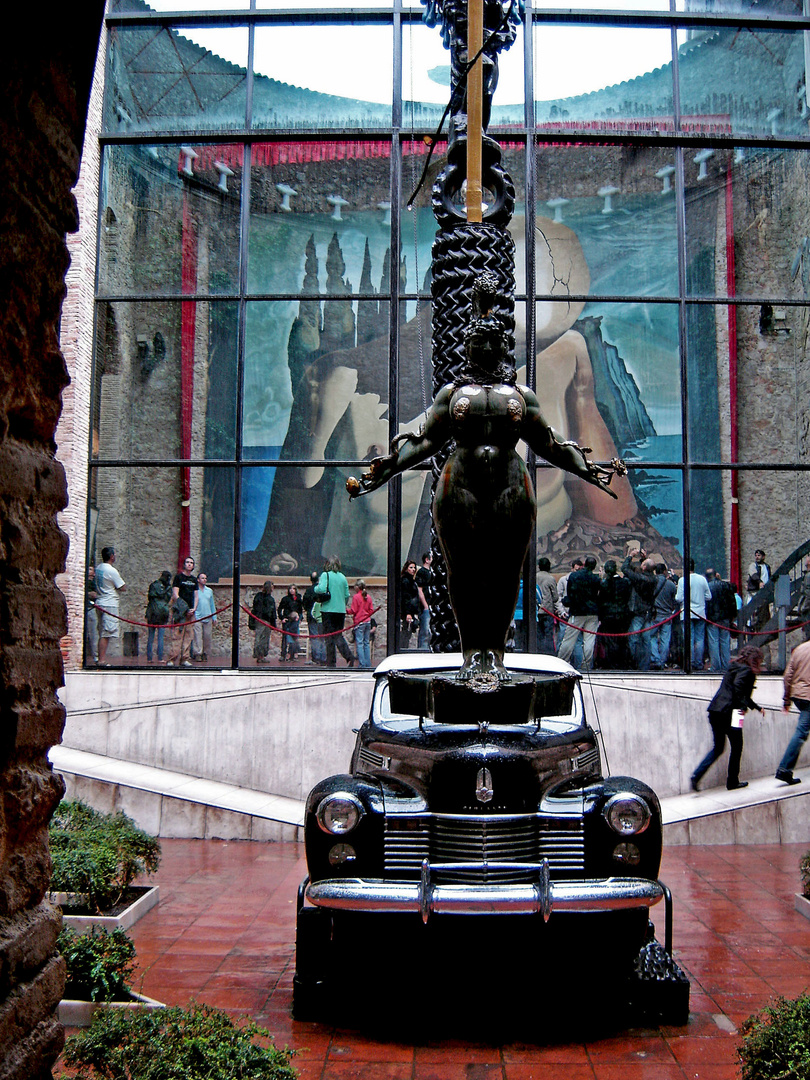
x,y
361,609
733,696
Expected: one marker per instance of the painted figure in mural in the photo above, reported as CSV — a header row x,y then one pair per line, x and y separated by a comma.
x,y
484,505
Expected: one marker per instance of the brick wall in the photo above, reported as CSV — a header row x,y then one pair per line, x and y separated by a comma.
x,y
43,97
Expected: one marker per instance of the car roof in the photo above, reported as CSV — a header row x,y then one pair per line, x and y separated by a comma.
x,y
540,663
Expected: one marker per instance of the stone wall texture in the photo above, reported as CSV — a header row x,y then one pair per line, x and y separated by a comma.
x,y
43,99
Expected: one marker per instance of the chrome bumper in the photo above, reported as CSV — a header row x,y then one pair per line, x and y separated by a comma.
x,y
538,897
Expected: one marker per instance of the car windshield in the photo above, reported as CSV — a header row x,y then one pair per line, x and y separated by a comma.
x,y
383,713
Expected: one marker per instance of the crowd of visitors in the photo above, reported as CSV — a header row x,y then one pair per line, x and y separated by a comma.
x,y
624,617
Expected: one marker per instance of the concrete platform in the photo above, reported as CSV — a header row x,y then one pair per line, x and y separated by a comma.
x,y
171,804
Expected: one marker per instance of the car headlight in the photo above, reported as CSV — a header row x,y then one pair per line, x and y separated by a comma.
x,y
627,814
339,813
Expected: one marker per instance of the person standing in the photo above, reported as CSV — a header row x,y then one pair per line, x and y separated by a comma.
x,y
290,610
547,602
584,587
317,648
641,606
423,578
721,612
726,709
408,602
109,584
760,567
664,609
158,601
803,608
614,616
564,614
264,616
91,617
333,610
797,689
184,600
699,596
361,609
205,615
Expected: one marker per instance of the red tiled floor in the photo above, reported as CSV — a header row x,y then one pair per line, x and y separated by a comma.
x,y
224,933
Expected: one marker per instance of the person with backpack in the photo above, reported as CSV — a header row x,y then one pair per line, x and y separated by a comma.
x,y
158,602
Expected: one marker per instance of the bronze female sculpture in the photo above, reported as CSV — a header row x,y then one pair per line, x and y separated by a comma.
x,y
484,504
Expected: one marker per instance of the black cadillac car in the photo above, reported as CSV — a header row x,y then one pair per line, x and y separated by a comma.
x,y
480,811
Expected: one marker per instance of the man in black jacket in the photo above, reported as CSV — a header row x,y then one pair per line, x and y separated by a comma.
x,y
721,612
264,609
584,587
642,600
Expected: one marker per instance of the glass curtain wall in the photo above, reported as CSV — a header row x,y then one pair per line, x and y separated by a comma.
x,y
263,317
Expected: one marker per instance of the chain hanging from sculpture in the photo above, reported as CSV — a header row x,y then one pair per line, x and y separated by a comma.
x,y
463,250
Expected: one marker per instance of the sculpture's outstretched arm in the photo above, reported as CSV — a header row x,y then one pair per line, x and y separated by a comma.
x,y
564,453
407,450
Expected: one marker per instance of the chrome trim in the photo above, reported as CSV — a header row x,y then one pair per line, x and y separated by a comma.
x,y
540,897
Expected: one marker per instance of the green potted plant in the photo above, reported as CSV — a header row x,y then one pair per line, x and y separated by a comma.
x,y
776,1041
198,1041
100,965
96,858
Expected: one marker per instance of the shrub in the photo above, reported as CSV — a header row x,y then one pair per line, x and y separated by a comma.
x,y
804,870
99,964
776,1042
98,855
175,1043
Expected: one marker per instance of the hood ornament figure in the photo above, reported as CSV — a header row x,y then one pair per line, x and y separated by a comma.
x,y
484,504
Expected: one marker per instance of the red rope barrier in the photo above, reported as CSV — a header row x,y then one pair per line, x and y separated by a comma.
x,y
158,626
669,618
313,637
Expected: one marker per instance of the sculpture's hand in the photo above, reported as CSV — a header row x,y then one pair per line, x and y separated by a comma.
x,y
601,475
380,470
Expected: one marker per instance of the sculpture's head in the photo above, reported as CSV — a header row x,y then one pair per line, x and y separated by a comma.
x,y
485,343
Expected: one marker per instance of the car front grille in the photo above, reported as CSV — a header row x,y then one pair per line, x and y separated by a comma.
x,y
527,838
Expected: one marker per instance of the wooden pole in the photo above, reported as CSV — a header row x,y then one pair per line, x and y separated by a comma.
x,y
475,108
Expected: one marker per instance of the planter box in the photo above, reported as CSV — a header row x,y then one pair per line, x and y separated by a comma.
x,y
802,905
127,918
79,1014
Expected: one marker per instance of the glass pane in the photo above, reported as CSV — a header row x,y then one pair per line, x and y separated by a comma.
x,y
740,503
154,518
613,208
170,220
165,380
749,195
732,7
747,395
321,218
179,5
426,79
299,83
594,529
162,79
418,222
608,375
293,518
338,5
316,380
603,78
743,81
607,5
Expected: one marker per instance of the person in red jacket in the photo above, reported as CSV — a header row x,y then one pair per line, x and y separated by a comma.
x,y
361,609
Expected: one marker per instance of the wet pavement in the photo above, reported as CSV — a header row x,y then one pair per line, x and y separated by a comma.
x,y
224,933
